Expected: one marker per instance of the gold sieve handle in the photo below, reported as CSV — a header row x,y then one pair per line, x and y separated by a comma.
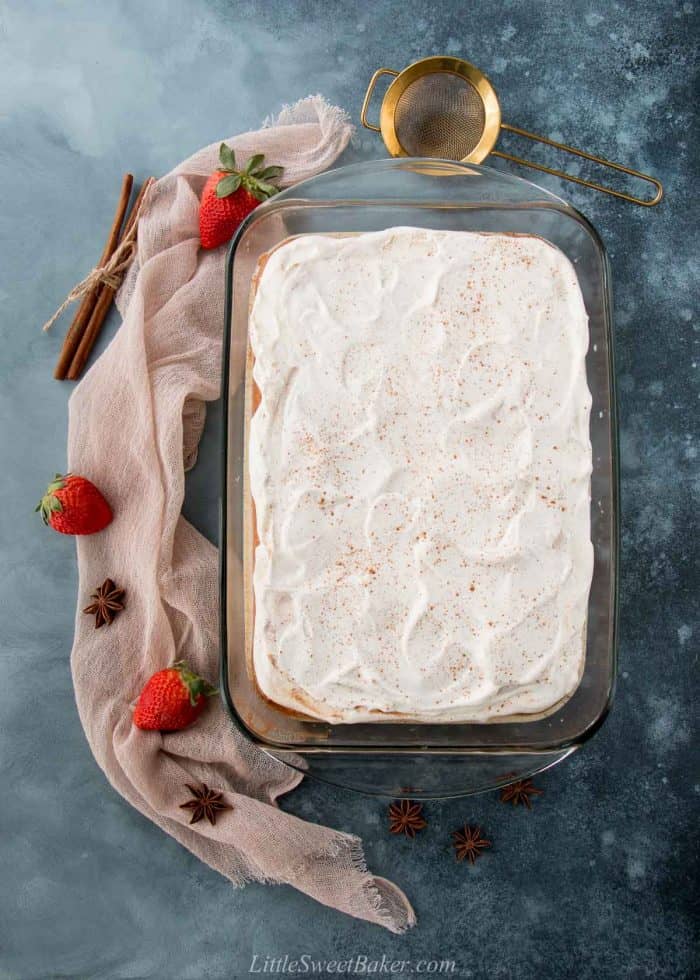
x,y
645,202
368,96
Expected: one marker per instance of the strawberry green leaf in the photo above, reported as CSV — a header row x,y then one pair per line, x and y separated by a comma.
x,y
267,189
49,503
195,685
267,173
227,157
254,163
228,185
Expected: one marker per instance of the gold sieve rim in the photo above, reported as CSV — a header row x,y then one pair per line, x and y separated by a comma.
x,y
428,66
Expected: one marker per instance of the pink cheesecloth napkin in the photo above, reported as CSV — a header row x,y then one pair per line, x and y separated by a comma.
x,y
135,421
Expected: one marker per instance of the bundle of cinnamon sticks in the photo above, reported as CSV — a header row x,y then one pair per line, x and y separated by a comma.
x,y
91,314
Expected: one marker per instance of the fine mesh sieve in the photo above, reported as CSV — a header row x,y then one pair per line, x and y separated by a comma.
x,y
439,115
446,108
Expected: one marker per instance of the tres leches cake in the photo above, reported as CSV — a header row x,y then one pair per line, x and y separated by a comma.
x,y
419,477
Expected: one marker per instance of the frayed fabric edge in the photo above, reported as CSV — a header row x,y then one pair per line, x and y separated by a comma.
x,y
388,904
392,907
310,109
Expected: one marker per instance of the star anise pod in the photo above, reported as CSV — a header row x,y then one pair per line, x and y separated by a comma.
x,y
205,802
468,843
519,793
109,600
406,817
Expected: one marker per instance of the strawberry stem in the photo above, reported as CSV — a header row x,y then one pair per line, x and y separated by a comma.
x,y
49,503
195,684
253,178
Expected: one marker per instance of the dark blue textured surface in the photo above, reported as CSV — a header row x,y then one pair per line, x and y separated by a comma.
x,y
598,880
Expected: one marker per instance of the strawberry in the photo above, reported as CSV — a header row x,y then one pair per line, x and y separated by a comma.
x,y
230,195
73,505
172,699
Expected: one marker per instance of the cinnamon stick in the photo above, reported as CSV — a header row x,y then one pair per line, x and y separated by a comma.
x,y
85,310
104,301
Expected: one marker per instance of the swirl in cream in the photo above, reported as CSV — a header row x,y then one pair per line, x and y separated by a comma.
x,y
420,466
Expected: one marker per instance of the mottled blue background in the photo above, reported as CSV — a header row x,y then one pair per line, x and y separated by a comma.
x,y
598,880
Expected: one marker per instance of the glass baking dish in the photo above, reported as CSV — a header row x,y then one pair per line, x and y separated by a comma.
x,y
398,758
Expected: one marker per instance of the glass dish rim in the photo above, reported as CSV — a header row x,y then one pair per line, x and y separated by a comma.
x,y
294,197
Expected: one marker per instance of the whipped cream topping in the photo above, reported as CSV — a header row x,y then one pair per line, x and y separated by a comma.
x,y
420,465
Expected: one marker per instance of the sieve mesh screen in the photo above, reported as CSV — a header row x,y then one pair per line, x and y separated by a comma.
x,y
439,115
